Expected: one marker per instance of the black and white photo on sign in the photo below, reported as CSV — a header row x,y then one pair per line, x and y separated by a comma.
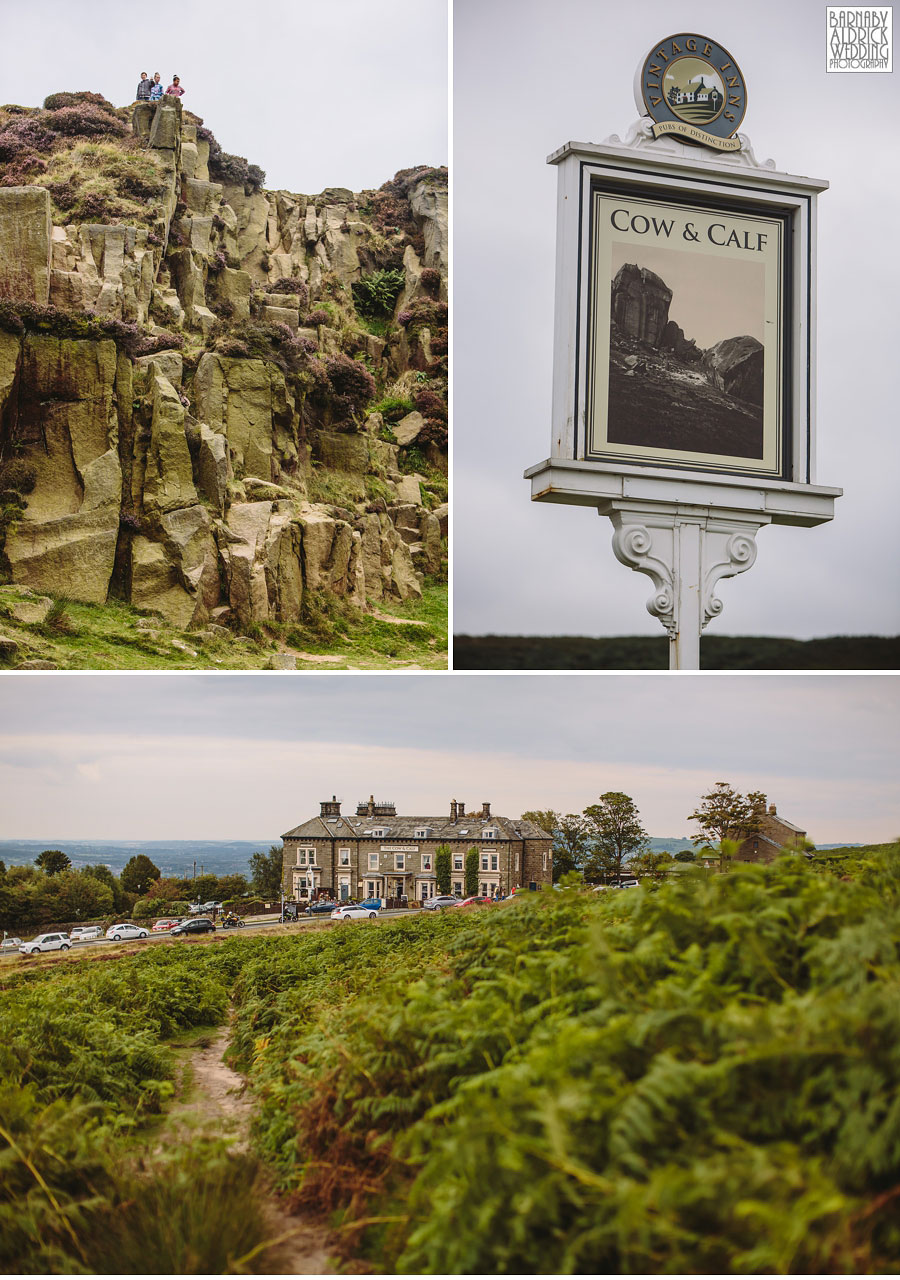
x,y
687,320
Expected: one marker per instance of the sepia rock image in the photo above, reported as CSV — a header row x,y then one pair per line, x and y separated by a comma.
x,y
667,392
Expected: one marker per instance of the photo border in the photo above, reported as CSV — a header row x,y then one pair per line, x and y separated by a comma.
x,y
703,203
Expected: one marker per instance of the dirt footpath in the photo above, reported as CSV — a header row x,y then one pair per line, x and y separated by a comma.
x,y
218,1103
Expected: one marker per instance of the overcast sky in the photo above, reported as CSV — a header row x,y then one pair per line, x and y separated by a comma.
x,y
530,75
248,757
334,93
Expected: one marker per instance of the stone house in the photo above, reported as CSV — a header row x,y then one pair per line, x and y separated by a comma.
x,y
376,853
775,834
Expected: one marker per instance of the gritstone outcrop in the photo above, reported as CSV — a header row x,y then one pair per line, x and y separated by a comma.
x,y
213,397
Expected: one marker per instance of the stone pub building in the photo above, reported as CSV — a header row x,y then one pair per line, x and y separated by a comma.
x,y
377,853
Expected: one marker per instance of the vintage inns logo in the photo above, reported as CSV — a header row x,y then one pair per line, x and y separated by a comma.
x,y
693,88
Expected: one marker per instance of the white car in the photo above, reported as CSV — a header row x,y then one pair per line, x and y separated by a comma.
x,y
85,932
353,913
46,942
119,931
10,944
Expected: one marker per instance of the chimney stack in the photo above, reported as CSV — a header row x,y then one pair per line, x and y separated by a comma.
x,y
485,809
330,808
772,811
452,810
461,809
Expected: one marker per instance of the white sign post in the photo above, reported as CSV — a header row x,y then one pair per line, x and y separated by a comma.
x,y
689,441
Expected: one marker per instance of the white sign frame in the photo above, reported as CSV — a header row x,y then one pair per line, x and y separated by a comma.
x,y
684,528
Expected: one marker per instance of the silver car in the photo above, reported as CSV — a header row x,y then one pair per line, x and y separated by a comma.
x,y
46,942
119,931
85,932
354,912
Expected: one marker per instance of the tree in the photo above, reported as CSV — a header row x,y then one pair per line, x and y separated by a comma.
x,y
266,872
653,865
615,833
101,872
725,814
442,867
138,874
471,873
53,861
685,855
232,886
570,833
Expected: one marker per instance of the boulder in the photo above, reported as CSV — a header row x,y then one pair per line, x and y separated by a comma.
x,y
735,366
212,467
407,429
430,534
31,612
168,478
165,127
408,490
442,515
70,556
26,230
682,348
640,303
406,581
282,315
429,205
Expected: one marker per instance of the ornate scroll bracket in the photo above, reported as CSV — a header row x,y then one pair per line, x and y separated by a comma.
x,y
685,553
633,547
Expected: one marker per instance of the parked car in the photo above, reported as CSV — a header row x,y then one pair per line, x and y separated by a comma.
x,y
46,942
353,912
199,925
372,904
441,901
165,924
86,932
119,931
321,908
10,944
477,900
211,906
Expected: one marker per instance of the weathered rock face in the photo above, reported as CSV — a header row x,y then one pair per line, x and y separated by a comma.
x,y
25,231
735,366
640,303
182,482
682,348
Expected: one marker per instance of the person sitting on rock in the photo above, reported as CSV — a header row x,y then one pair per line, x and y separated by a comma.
x,y
156,89
144,87
175,88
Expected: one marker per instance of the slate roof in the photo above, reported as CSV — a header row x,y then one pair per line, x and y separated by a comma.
x,y
400,827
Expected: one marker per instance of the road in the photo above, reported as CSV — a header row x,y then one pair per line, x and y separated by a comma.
x,y
253,922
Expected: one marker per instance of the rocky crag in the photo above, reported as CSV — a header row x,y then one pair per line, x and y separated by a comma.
x,y
639,305
665,390
215,399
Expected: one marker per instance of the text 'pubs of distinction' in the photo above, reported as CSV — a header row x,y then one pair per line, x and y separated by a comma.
x,y
686,322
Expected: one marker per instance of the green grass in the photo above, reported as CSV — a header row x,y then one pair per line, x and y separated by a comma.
x,y
116,636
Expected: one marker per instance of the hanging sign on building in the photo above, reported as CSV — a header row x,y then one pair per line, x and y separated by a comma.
x,y
693,88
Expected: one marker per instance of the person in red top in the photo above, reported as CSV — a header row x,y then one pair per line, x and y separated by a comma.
x,y
175,87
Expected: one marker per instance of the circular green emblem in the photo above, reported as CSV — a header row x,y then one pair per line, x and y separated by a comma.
x,y
691,87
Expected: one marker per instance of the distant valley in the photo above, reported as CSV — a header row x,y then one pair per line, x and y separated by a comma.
x,y
173,857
